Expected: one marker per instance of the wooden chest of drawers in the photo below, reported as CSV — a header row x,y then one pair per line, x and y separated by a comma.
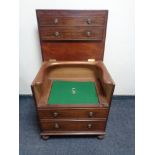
x,y
72,44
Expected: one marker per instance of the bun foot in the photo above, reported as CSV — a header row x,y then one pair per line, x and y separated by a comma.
x,y
45,137
100,137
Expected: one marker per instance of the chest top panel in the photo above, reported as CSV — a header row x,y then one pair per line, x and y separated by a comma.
x,y
72,35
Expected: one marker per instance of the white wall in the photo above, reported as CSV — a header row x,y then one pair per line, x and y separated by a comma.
x,y
119,51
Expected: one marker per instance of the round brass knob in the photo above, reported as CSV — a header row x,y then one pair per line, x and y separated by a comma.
x,y
57,34
91,114
55,114
88,33
89,21
89,125
56,126
55,20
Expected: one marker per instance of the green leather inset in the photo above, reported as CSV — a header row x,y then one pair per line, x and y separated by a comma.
x,y
72,92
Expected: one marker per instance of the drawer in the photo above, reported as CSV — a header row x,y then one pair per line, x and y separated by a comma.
x,y
49,20
73,113
71,33
77,125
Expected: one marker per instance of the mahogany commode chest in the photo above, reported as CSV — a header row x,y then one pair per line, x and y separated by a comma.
x,y
73,89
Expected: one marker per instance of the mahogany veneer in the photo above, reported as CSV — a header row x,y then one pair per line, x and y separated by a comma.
x,y
68,38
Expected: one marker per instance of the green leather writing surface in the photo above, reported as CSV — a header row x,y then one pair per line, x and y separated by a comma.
x,y
72,92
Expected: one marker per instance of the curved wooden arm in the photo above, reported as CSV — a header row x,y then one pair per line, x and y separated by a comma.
x,y
40,75
106,77
107,82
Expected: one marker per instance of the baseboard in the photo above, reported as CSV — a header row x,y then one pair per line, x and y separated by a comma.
x,y
118,97
115,97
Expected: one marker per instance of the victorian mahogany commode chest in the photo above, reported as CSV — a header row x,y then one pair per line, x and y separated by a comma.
x,y
73,89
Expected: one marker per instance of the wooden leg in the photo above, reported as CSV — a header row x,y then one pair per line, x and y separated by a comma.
x,y
45,137
100,137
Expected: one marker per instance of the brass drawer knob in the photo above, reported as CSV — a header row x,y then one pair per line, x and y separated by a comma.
x,y
55,114
91,114
89,21
57,34
88,34
55,20
56,126
89,126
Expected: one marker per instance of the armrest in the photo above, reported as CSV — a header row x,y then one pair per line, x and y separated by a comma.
x,y
106,77
40,75
40,83
107,82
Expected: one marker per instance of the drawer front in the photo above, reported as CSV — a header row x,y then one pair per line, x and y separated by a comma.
x,y
71,33
50,125
73,113
49,20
